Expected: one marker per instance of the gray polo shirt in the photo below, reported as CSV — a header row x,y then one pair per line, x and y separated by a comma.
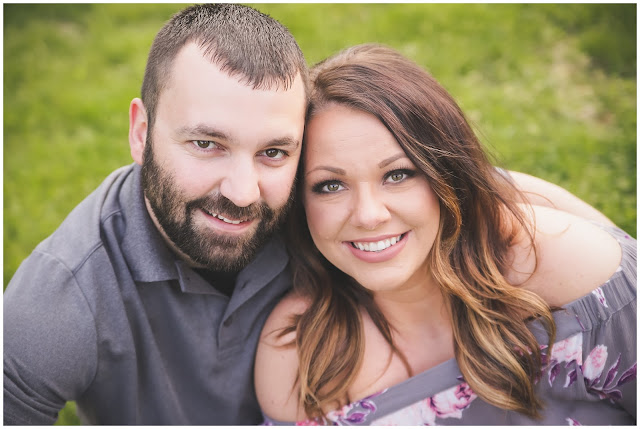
x,y
103,313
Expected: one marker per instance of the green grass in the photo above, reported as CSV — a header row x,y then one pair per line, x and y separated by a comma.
x,y
550,88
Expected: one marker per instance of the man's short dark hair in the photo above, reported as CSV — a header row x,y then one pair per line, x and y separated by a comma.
x,y
241,40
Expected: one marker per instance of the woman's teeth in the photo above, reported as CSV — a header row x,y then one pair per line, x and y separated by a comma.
x,y
376,246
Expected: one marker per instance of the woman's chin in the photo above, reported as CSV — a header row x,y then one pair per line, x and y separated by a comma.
x,y
377,283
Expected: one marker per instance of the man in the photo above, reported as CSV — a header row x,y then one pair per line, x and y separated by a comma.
x,y
146,304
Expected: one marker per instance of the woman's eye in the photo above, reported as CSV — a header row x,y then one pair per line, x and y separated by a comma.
x,y
274,153
204,144
332,187
397,176
327,187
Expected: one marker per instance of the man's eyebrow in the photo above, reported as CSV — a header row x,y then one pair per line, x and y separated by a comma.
x,y
389,160
202,130
283,142
335,170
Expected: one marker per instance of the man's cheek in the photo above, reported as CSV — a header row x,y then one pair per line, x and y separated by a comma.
x,y
275,192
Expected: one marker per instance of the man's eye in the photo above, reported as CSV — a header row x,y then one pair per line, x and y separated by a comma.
x,y
274,153
204,144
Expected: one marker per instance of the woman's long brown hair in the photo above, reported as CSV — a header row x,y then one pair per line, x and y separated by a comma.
x,y
496,352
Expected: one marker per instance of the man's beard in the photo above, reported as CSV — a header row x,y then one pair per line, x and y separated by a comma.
x,y
204,246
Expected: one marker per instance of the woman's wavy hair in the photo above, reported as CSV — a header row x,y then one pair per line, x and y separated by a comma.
x,y
497,354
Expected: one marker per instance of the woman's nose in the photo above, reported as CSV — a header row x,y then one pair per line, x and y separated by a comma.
x,y
370,209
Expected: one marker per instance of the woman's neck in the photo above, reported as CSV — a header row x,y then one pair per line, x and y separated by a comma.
x,y
420,322
418,303
420,330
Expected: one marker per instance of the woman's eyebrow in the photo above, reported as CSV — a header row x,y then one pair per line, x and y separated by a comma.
x,y
334,170
342,172
389,160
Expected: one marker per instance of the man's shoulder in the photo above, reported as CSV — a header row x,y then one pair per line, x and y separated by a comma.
x,y
68,265
81,232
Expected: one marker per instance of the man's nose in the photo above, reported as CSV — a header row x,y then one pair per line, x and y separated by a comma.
x,y
241,184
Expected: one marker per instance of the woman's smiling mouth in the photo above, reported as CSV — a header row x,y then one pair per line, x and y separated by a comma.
x,y
376,246
378,249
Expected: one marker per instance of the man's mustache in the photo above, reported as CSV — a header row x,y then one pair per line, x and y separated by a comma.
x,y
220,205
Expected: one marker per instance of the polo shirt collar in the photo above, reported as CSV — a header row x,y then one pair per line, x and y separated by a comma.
x,y
148,257
270,262
151,260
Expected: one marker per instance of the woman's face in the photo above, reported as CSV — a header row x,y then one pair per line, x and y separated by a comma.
x,y
370,211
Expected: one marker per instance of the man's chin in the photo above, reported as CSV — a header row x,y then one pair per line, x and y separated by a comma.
x,y
229,262
218,251
226,253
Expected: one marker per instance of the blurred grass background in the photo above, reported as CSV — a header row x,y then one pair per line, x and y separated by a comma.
x,y
550,89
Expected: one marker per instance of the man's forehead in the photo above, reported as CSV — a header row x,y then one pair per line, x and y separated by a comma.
x,y
193,55
192,61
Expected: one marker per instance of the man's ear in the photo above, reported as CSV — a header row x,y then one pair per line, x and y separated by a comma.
x,y
138,128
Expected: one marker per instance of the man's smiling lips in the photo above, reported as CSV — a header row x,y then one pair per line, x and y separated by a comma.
x,y
224,219
226,224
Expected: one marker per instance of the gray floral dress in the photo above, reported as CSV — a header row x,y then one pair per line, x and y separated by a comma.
x,y
589,378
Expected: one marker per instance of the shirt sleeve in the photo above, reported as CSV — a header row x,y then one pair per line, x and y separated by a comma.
x,y
50,341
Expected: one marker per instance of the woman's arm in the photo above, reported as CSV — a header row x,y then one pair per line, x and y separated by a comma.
x,y
573,257
542,193
276,366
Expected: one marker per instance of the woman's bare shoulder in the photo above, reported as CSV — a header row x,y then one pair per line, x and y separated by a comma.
x,y
281,317
276,365
573,256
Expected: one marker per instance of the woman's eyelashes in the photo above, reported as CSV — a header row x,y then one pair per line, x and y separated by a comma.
x,y
327,187
399,175
332,186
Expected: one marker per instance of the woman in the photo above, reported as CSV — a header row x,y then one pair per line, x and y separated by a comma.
x,y
424,289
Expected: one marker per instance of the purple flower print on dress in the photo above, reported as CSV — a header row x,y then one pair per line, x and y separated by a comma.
x,y
595,362
356,412
450,403
417,414
447,404
600,295
573,422
568,351
593,369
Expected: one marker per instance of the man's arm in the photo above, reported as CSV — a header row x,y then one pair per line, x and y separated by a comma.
x,y
50,348
542,193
